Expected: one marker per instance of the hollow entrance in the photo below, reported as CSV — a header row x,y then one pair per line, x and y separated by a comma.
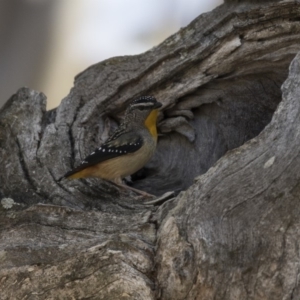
x,y
227,113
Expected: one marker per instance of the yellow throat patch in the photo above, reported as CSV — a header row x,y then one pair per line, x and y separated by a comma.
x,y
150,123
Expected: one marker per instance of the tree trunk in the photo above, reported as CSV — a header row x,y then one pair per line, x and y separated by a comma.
x,y
230,119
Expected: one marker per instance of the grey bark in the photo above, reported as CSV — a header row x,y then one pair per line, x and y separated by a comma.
x,y
230,118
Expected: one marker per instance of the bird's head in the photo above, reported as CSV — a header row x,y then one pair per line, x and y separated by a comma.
x,y
142,109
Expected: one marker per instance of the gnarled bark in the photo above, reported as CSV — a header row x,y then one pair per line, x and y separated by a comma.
x,y
233,233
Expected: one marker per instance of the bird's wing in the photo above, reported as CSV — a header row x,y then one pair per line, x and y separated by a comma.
x,y
117,145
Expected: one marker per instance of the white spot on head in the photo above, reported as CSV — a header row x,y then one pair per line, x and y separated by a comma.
x,y
92,153
99,148
103,150
109,150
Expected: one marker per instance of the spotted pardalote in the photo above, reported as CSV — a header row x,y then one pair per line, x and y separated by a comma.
x,y
128,149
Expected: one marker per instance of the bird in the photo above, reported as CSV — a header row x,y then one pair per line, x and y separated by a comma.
x,y
128,149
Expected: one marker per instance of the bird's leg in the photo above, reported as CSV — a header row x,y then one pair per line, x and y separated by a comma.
x,y
119,182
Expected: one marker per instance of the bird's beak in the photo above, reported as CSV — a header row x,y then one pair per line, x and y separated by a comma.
x,y
157,105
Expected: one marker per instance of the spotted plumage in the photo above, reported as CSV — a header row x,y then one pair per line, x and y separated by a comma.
x,y
128,148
